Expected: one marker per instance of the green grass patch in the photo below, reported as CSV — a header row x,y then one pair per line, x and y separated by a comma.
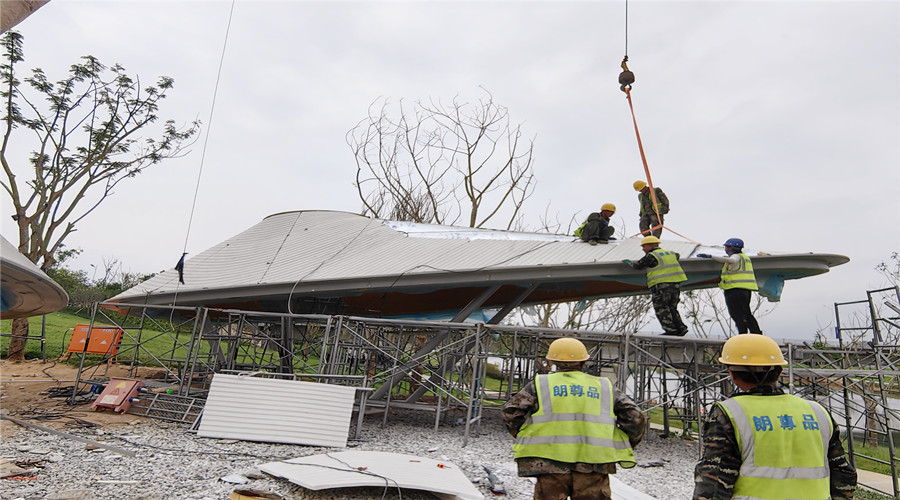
x,y
879,452
57,332
657,417
864,494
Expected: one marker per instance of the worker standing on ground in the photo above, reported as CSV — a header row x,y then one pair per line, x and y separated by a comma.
x,y
739,283
648,216
664,274
572,428
764,444
596,228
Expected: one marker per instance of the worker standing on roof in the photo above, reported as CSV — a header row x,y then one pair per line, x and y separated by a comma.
x,y
764,444
596,228
572,428
649,217
739,283
664,274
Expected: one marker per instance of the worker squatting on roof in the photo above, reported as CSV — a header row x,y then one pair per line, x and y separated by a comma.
x,y
664,274
596,229
762,443
554,407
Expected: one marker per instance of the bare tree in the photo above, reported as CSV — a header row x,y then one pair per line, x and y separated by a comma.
x,y
84,131
705,310
890,269
617,314
430,162
442,163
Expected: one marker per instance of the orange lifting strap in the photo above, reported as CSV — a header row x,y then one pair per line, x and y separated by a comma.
x,y
626,78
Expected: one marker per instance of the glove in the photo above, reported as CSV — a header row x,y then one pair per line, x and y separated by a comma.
x,y
704,256
626,261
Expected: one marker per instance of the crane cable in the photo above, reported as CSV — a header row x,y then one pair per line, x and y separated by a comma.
x,y
626,79
179,267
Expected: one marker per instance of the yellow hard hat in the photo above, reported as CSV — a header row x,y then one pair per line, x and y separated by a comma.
x,y
567,350
638,185
751,349
650,239
608,206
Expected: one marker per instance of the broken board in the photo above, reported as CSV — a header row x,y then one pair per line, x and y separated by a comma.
x,y
374,468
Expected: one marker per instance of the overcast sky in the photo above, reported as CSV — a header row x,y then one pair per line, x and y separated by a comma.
x,y
776,122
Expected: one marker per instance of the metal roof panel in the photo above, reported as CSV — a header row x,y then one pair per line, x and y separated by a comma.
x,y
277,411
339,253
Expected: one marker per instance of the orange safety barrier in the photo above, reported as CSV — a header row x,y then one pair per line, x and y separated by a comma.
x,y
103,340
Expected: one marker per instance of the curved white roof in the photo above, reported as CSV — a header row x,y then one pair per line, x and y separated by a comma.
x,y
25,289
340,254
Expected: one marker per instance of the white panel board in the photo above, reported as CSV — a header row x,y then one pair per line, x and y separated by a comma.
x,y
621,491
277,411
343,469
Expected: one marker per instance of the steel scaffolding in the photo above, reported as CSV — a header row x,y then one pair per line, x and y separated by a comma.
x,y
458,370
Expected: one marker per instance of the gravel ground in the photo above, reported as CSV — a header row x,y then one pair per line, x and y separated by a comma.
x,y
172,463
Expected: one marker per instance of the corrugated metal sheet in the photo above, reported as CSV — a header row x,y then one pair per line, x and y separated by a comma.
x,y
320,246
313,252
375,468
277,411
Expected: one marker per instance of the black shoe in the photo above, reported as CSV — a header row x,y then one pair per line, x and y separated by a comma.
x,y
593,242
676,334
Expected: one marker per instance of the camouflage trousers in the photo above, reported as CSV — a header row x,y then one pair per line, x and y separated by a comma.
x,y
650,220
665,297
577,485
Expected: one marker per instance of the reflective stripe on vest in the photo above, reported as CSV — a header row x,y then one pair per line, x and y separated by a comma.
x,y
742,277
575,422
783,442
667,269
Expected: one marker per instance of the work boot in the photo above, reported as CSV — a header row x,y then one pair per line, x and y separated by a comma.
x,y
593,242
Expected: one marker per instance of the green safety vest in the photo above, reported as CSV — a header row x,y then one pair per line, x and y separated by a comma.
x,y
580,229
667,270
783,442
574,422
743,277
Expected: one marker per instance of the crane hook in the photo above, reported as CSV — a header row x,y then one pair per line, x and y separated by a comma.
x,y
626,77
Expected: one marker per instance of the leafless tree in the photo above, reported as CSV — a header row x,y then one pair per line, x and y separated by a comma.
x,y
84,136
890,269
705,311
442,163
617,314
437,163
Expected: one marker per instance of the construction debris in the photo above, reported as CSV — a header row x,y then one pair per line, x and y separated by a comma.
x,y
121,451
375,468
497,487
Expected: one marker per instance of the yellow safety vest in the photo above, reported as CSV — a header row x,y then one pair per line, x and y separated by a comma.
x,y
742,277
580,229
783,442
667,269
575,422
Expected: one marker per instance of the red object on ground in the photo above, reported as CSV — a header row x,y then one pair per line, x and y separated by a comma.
x,y
117,395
